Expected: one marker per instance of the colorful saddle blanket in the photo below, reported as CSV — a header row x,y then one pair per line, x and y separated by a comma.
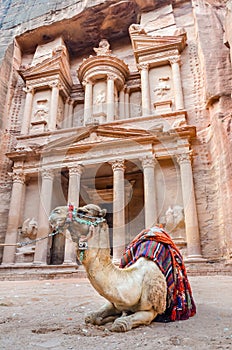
x,y
155,244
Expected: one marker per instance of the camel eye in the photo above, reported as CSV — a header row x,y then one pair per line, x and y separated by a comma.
x,y
57,211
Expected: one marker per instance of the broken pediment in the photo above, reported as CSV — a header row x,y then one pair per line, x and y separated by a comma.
x,y
49,68
144,44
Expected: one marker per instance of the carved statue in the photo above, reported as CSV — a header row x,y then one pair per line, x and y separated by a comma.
x,y
103,48
29,228
135,294
28,233
137,28
174,218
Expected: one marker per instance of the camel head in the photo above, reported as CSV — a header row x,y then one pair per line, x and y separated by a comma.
x,y
79,221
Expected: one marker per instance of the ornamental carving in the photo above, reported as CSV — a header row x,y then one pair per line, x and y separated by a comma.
x,y
47,174
174,59
18,178
143,66
118,164
148,162
184,158
29,89
76,170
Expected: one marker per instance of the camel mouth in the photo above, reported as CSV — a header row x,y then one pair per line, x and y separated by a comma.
x,y
56,222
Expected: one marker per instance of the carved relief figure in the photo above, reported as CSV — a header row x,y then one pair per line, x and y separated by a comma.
x,y
29,228
28,233
103,48
101,97
163,88
41,112
174,217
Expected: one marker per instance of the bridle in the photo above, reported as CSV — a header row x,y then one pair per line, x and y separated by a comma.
x,y
82,218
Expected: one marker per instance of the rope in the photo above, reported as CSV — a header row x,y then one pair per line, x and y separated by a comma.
x,y
23,244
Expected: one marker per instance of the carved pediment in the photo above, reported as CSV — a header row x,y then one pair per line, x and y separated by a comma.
x,y
57,64
144,44
95,135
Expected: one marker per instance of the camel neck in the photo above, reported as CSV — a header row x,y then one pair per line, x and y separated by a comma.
x,y
99,268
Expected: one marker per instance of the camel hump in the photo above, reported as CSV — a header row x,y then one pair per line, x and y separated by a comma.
x,y
92,210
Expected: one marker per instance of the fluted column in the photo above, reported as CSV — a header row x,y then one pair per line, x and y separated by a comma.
x,y
88,107
27,110
179,99
150,206
17,194
122,104
54,105
145,89
190,211
110,98
73,198
118,210
41,248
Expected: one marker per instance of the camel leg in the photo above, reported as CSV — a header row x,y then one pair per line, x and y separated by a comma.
x,y
125,323
107,313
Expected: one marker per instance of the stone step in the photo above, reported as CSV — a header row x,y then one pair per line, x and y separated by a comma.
x,y
30,272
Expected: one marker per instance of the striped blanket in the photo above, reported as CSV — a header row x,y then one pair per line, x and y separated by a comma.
x,y
155,244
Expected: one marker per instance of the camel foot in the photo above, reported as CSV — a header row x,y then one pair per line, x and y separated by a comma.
x,y
97,320
121,325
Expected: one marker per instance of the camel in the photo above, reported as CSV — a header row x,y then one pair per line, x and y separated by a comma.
x,y
135,295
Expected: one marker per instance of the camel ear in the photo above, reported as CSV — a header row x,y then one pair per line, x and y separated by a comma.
x,y
103,212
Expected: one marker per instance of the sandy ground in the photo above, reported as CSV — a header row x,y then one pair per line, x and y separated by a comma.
x,y
50,315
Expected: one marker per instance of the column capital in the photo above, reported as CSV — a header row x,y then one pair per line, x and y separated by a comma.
x,y
18,177
184,158
76,169
117,164
143,66
55,84
148,161
29,89
174,59
111,77
47,174
87,81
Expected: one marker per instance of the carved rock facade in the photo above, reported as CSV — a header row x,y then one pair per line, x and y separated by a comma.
x,y
124,109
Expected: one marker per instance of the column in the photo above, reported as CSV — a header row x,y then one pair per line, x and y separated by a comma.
x,y
145,89
54,105
17,194
150,206
27,110
73,198
190,211
122,104
66,113
110,98
118,210
88,107
179,99
41,248
70,113
127,103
